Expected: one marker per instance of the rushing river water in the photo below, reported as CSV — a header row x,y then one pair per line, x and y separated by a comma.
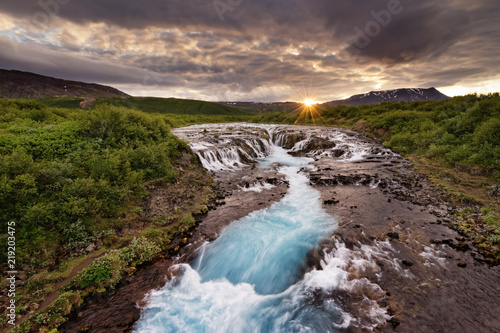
x,y
249,279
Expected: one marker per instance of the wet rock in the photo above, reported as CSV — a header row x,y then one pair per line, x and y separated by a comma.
x,y
318,143
393,235
331,202
272,181
338,152
394,322
494,191
407,263
289,139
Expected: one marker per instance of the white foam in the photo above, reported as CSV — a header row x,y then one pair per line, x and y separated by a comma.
x,y
433,257
258,187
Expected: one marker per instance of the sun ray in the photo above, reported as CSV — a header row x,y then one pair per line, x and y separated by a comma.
x,y
309,109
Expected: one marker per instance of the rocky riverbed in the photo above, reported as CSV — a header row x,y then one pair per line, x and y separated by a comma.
x,y
393,238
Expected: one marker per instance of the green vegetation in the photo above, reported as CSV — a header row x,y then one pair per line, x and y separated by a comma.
x,y
178,112
174,106
74,179
62,172
61,102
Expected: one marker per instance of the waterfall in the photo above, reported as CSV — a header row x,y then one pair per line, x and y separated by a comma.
x,y
219,150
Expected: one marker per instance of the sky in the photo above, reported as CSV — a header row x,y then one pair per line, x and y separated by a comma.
x,y
257,50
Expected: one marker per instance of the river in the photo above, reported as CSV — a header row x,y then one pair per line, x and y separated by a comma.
x,y
250,278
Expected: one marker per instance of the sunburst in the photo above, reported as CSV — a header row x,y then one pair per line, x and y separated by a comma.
x,y
308,109
309,102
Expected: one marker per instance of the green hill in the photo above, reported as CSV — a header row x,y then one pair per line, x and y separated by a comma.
x,y
174,106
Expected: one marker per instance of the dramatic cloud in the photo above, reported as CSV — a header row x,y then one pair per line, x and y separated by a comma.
x,y
265,50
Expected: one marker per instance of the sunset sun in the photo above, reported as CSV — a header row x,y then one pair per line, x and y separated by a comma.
x,y
309,102
308,111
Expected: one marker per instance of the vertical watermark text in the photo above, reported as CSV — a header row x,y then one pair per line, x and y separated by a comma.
x,y
11,272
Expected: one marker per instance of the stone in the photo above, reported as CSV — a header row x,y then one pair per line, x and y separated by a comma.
x,y
462,246
393,235
407,263
331,202
90,248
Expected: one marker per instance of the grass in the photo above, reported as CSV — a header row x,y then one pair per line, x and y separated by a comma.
x,y
61,102
174,106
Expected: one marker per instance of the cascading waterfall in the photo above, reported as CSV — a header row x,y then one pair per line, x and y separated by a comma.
x,y
231,157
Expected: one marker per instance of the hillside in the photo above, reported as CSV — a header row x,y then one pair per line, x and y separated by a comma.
x,y
174,106
398,95
17,84
77,186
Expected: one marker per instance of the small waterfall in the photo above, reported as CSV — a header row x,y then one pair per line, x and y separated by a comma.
x,y
221,159
222,150
231,154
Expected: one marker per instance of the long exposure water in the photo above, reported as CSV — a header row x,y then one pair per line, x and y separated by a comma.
x,y
249,279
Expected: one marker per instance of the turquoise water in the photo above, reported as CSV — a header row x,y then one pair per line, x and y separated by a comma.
x,y
249,279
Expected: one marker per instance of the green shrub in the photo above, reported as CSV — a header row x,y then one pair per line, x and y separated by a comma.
x,y
119,126
488,132
104,272
139,251
77,236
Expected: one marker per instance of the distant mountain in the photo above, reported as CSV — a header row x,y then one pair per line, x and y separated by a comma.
x,y
373,97
398,95
17,84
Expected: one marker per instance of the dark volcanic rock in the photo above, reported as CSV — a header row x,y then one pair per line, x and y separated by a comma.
x,y
315,144
393,235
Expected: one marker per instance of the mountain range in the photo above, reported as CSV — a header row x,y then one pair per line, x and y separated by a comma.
x,y
397,95
17,84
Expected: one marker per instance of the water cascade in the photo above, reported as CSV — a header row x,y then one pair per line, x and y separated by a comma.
x,y
251,278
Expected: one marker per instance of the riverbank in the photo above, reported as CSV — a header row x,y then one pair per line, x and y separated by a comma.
x,y
401,226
